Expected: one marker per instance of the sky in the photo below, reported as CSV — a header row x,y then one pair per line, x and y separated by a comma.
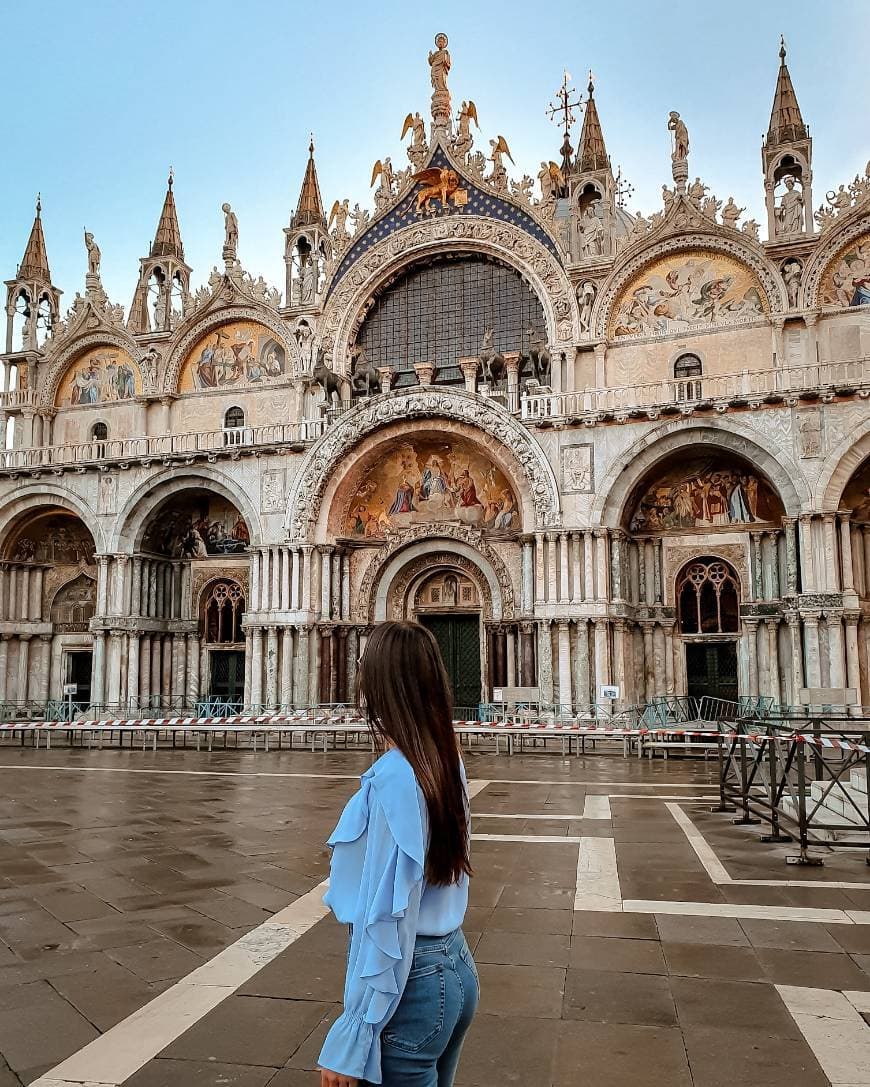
x,y
227,92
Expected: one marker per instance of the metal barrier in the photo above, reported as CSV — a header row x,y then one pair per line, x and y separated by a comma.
x,y
807,774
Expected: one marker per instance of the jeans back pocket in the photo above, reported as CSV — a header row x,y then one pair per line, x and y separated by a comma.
x,y
419,1018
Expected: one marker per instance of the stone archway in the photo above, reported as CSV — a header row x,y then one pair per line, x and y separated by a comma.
x,y
490,425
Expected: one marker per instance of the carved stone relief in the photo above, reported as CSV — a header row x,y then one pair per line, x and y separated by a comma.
x,y
272,490
810,430
577,468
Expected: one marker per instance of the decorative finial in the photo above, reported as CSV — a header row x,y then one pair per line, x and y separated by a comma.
x,y
782,48
591,86
311,145
171,176
38,205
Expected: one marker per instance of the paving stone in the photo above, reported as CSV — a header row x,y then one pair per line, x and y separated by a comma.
x,y
42,1031
721,1058
701,930
249,1030
713,961
524,949
790,935
232,912
605,996
616,1054
852,938
73,905
616,953
816,969
168,1073
636,926
106,995
157,959
304,975
522,990
711,1002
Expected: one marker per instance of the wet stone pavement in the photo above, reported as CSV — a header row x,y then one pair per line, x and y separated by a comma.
x,y
611,949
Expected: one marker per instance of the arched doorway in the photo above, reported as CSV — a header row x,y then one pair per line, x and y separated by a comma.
x,y
48,590
448,603
708,617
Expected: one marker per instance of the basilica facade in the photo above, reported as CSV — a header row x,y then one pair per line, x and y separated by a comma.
x,y
588,447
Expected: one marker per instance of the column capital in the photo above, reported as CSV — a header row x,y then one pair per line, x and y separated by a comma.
x,y
789,522
805,518
771,621
852,618
48,637
563,625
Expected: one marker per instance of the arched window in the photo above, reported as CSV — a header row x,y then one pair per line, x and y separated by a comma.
x,y
99,432
687,378
234,421
708,595
222,613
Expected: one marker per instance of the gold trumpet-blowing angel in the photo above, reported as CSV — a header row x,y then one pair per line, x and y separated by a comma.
x,y
499,148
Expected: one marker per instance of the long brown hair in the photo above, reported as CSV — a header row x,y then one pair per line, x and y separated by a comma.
x,y
403,689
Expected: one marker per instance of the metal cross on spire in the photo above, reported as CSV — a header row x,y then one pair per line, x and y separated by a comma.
x,y
561,112
623,188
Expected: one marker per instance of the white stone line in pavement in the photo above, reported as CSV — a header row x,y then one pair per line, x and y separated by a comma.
x,y
476,786
116,1055
546,818
741,910
597,877
185,773
715,869
834,1030
719,874
604,784
859,1000
859,917
597,806
542,839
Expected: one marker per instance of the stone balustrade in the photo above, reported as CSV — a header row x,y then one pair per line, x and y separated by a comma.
x,y
231,440
749,387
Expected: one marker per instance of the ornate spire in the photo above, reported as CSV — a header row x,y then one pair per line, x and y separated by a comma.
x,y
167,240
309,210
592,154
786,123
34,263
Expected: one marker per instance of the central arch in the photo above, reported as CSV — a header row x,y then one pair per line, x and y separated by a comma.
x,y
492,427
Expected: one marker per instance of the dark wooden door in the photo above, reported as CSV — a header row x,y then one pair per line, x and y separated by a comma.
x,y
458,637
711,669
227,674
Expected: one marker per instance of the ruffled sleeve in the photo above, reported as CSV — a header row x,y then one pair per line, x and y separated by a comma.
x,y
376,883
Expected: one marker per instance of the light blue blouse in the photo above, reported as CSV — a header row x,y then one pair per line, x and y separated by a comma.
x,y
377,886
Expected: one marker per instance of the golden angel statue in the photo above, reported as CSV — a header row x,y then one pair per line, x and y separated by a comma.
x,y
498,177
339,215
464,140
418,149
384,171
552,179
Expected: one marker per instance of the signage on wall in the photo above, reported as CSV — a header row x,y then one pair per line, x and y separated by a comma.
x,y
608,692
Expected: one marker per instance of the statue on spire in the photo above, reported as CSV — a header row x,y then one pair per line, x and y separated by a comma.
x,y
680,150
231,234
439,66
93,254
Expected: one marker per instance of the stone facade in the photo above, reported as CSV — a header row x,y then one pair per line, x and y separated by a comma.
x,y
663,486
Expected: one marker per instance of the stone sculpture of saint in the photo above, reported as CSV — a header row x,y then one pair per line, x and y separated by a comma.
x,y
790,213
681,137
93,254
439,64
231,231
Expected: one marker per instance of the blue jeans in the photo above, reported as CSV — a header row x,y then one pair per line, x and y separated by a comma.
x,y
421,1043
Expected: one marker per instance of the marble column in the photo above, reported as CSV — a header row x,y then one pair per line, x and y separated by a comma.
x,y
602,656
179,658
136,588
757,569
564,564
576,569
773,578
602,564
249,668
23,665
133,662
751,628
773,690
113,669
255,580
588,567
511,658
831,565
811,648
564,641
325,664
649,663
257,666
325,580
641,572
657,571
846,548
24,608
345,585
275,598
156,669
668,630
791,563
807,564
552,567
797,657
527,655
307,575
339,664
540,560
583,695
295,599
286,667
98,668
835,650
193,667
45,641
853,664
102,584
36,583
545,662
528,584
271,666
302,691
4,665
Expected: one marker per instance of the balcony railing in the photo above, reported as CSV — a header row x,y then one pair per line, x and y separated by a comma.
x,y
763,386
160,446
17,398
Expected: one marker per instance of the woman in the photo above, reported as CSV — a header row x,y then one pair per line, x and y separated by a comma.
x,y
399,879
